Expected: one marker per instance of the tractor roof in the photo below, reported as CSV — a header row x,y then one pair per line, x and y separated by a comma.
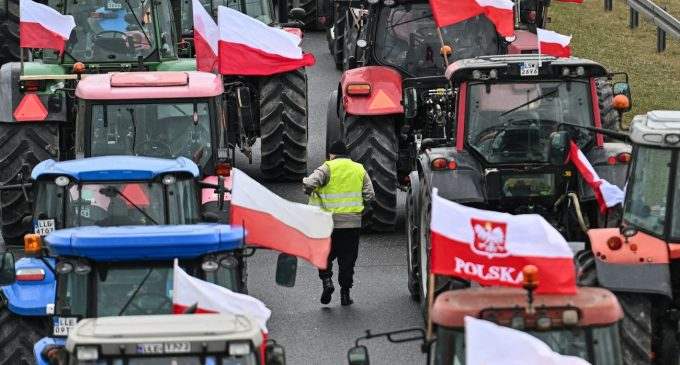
x,y
124,335
139,243
149,85
115,168
597,306
654,128
508,65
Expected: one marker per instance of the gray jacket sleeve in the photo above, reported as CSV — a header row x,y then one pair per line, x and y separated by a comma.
x,y
367,191
318,178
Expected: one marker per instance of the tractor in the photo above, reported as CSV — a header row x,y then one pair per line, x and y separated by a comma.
x,y
584,324
495,141
172,339
639,260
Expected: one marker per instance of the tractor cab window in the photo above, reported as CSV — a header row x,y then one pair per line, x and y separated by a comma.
x,y
512,122
258,9
407,39
49,206
647,190
112,30
163,130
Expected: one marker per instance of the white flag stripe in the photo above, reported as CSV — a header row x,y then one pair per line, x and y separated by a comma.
x,y
205,24
52,20
310,220
527,234
500,4
487,343
236,27
188,290
548,36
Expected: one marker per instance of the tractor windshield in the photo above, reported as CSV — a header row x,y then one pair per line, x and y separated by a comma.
x,y
407,38
598,345
648,190
258,9
155,129
512,122
119,30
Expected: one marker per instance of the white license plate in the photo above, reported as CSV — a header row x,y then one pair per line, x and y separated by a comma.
x,y
164,348
44,227
62,325
528,68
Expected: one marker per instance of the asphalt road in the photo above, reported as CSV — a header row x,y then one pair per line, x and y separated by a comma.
x,y
310,332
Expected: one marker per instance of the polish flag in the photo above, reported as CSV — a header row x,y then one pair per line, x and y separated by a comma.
x,y
206,37
607,194
500,12
552,43
249,47
211,298
273,222
43,27
492,248
510,346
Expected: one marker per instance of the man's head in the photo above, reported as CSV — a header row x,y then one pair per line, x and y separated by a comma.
x,y
338,148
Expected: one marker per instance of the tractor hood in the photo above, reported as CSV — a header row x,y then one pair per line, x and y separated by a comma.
x,y
135,243
115,168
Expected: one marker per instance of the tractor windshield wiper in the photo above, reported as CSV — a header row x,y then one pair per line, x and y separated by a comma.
x,y
551,92
127,2
111,189
410,20
134,293
134,129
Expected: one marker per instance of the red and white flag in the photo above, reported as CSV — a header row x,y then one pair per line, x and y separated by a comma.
x,y
249,47
206,38
492,248
211,298
552,43
40,26
510,347
607,194
273,222
499,12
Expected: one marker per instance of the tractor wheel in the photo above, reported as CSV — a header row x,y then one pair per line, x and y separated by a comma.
x,y
586,272
339,21
605,98
412,232
9,33
17,336
311,18
636,328
334,130
373,143
283,126
22,146
350,40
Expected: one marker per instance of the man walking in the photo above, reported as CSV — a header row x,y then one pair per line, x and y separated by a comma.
x,y
342,187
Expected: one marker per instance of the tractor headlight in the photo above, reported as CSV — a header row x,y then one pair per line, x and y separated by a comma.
x,y
64,267
169,179
229,262
239,348
209,265
82,268
672,138
61,181
87,353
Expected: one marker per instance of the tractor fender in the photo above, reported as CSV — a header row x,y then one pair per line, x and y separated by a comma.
x,y
615,174
44,342
414,180
31,298
385,94
54,103
645,270
525,42
462,185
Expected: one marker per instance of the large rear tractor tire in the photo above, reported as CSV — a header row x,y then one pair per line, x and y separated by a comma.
x,y
349,41
9,32
17,336
636,328
311,18
413,233
339,21
22,146
605,98
283,126
373,143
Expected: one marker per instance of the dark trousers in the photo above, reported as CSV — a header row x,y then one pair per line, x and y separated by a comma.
x,y
344,247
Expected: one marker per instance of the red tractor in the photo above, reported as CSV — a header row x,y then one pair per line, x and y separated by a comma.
x,y
639,260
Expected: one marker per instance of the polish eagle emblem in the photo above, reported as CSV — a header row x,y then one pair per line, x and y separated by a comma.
x,y
489,238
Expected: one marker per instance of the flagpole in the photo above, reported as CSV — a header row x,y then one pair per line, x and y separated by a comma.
x,y
441,40
430,300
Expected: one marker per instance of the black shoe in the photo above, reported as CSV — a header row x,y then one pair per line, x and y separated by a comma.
x,y
344,297
328,290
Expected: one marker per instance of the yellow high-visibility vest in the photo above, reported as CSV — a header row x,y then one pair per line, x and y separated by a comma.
x,y
342,194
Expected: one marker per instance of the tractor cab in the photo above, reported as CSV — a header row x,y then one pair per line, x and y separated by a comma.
x,y
180,339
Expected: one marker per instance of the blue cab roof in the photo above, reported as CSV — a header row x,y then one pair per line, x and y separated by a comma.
x,y
139,243
114,168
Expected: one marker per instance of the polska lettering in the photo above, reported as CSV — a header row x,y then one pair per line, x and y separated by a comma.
x,y
499,273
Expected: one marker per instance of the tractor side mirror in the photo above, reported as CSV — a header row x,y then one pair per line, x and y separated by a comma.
x,y
7,272
210,217
274,354
559,148
297,13
358,355
622,98
286,270
410,102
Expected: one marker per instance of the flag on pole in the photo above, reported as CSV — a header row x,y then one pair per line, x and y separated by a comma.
x,y
492,248
206,37
273,222
487,343
607,194
249,47
499,12
211,298
40,26
552,43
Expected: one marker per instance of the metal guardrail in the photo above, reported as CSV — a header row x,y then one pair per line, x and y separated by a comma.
x,y
666,24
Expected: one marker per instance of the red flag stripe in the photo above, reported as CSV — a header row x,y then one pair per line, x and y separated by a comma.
x,y
499,12
239,59
180,308
554,49
35,35
206,60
